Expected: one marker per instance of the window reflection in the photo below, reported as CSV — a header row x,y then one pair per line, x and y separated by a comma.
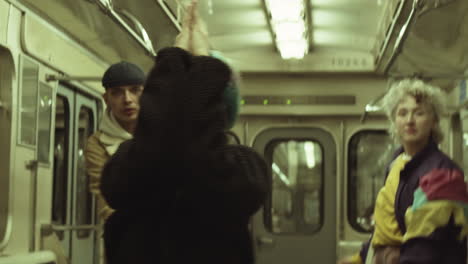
x,y
311,203
45,110
83,198
29,102
296,203
369,154
61,144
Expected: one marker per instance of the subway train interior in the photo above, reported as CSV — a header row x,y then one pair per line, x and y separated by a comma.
x,y
313,76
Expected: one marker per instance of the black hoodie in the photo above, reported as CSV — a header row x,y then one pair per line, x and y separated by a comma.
x,y
181,193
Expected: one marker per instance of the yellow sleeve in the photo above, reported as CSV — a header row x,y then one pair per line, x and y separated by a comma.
x,y
355,259
96,157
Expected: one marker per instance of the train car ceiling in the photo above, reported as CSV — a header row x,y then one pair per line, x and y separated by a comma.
x,y
433,46
362,36
395,37
95,24
57,51
341,36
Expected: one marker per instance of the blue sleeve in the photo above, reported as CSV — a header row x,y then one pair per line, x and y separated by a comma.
x,y
365,250
442,246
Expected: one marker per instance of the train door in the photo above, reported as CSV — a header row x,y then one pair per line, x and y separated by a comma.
x,y
83,239
298,222
61,200
73,208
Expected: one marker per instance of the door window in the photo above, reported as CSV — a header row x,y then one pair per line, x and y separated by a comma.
x,y
295,205
72,201
83,196
369,154
61,145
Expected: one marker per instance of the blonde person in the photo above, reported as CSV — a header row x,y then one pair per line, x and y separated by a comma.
x,y
420,211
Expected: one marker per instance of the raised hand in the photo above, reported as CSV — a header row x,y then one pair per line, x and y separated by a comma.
x,y
194,35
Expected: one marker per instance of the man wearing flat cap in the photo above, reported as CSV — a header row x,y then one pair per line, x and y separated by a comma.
x,y
123,83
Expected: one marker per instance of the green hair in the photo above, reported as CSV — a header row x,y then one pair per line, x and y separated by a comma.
x,y
231,94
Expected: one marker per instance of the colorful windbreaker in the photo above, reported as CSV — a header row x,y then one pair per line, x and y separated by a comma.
x,y
431,208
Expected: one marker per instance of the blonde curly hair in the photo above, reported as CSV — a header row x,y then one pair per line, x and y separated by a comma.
x,y
424,94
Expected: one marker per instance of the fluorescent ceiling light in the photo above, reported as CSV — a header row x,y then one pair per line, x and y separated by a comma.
x,y
289,27
289,31
372,108
292,49
281,10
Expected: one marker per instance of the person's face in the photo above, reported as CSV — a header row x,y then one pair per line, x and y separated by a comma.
x,y
123,101
414,121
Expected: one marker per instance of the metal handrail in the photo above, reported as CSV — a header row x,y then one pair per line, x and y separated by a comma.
x,y
49,228
390,32
139,26
53,77
166,10
108,8
38,257
403,34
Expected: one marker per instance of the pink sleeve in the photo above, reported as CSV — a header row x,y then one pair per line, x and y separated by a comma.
x,y
444,184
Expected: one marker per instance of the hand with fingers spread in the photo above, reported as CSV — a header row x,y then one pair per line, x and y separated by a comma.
x,y
194,35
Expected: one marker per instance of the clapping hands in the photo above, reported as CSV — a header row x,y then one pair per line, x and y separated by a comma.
x,y
194,35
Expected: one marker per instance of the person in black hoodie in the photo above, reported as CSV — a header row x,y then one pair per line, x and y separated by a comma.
x,y
181,193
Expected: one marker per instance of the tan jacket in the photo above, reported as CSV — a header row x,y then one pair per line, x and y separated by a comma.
x,y
99,148
96,157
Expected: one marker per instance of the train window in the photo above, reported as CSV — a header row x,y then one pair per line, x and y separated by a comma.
x,y
61,147
45,111
296,200
28,106
84,198
369,153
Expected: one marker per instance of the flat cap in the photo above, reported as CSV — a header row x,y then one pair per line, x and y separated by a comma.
x,y
123,73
